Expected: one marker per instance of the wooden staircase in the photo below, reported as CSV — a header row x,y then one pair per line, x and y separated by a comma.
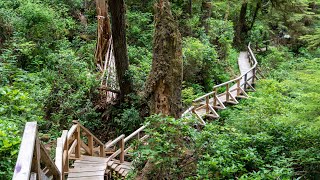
x,y
79,155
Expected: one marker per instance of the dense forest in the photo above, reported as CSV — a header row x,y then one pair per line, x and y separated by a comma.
x,y
53,70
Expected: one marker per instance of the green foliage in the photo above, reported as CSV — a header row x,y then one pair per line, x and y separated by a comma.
x,y
200,67
191,93
169,150
286,110
9,145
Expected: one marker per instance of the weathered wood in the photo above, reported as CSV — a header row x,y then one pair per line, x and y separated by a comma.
x,y
90,144
121,145
78,146
72,147
134,134
49,163
23,166
115,141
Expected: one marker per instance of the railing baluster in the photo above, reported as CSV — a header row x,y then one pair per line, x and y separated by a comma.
x,y
90,144
238,87
121,144
227,93
207,104
253,75
245,81
214,97
77,136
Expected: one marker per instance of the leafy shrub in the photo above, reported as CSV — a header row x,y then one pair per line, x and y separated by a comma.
x,y
200,63
169,150
9,146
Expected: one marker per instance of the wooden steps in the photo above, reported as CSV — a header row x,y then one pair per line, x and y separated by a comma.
x,y
89,167
121,169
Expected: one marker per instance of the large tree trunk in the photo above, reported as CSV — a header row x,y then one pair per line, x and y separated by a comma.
x,y
241,27
104,33
206,14
164,84
117,9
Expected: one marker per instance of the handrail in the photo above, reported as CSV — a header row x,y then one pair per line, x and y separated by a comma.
x,y
232,80
228,94
31,154
69,145
121,140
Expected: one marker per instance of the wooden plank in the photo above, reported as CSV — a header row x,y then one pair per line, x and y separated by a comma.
x,y
94,159
24,161
86,174
125,173
87,169
110,163
87,165
114,166
87,178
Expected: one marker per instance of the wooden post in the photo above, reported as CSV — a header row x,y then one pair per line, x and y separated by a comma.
x,y
207,104
121,144
102,151
77,137
238,87
227,93
66,155
253,75
245,81
90,144
214,97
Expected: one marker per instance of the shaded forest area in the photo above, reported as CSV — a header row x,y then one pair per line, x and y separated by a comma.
x,y
49,74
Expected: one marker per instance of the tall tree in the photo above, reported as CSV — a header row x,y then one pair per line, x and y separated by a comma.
x,y
117,9
164,84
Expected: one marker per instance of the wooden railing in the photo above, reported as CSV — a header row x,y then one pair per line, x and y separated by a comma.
x,y
238,85
121,141
71,142
33,160
35,163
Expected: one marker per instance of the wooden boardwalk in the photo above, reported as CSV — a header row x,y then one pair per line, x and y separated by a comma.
x,y
79,155
208,104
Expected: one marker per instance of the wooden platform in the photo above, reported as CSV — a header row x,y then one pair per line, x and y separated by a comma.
x,y
89,167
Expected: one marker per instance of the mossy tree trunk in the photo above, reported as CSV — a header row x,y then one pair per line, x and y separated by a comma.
x,y
117,9
164,84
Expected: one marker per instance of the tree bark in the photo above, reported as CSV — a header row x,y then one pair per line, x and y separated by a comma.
x,y
117,9
241,27
164,84
104,32
206,14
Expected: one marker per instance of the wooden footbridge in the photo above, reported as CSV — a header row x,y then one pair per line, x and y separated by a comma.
x,y
79,155
208,104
